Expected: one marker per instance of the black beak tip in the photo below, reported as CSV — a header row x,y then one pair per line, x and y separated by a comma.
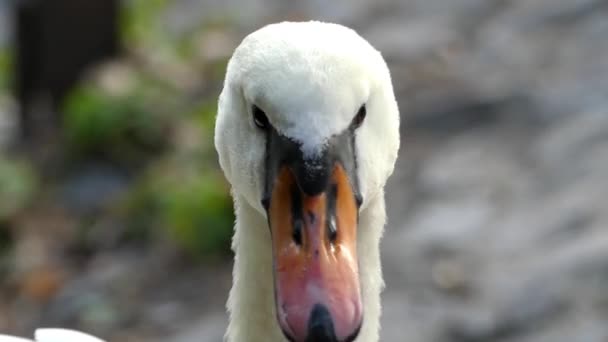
x,y
321,327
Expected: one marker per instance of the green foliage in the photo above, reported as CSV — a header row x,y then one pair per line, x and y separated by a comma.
x,y
92,118
142,28
192,204
6,65
122,127
204,116
199,213
17,185
180,193
140,20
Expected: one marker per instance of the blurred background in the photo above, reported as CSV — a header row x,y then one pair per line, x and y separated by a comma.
x,y
115,218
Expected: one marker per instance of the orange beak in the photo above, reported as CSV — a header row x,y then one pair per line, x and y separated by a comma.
x,y
316,276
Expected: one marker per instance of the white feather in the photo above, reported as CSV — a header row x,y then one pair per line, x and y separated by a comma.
x,y
53,335
7,338
310,79
63,335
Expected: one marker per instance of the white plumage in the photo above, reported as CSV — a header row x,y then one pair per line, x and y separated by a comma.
x,y
310,78
53,335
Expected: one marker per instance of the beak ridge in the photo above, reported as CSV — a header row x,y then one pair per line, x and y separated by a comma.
x,y
316,276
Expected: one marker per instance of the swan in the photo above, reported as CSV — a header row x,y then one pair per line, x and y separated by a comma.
x,y
53,335
307,134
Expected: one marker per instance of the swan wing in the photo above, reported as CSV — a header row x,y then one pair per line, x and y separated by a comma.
x,y
7,338
53,335
62,335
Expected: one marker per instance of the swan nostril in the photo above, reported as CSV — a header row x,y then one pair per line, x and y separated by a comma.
x,y
312,217
332,230
297,232
296,216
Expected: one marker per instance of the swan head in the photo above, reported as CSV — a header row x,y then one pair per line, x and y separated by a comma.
x,y
307,134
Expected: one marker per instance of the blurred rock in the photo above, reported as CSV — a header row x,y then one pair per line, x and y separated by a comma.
x,y
42,284
5,24
93,187
116,78
8,122
216,45
510,206
210,328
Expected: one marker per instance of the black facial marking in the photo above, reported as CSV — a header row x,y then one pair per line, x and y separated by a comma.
x,y
312,172
355,179
268,176
266,202
296,215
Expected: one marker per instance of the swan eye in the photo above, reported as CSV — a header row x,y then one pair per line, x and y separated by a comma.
x,y
358,120
259,118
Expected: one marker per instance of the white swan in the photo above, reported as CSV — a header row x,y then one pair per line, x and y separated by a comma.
x,y
307,134
53,335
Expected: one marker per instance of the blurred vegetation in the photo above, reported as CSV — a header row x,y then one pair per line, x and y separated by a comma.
x,y
6,62
150,113
17,185
16,177
123,121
